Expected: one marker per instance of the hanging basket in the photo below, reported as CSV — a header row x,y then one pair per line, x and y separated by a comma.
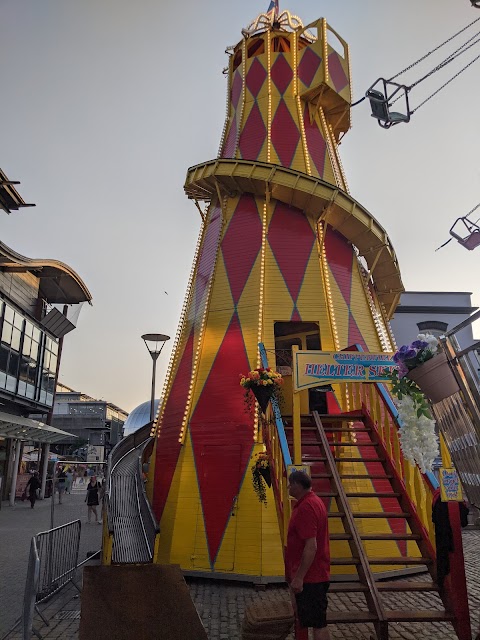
x,y
266,475
263,394
435,378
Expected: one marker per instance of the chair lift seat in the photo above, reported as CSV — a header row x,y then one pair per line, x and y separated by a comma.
x,y
472,241
380,110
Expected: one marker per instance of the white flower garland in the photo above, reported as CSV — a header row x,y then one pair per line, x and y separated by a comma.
x,y
418,439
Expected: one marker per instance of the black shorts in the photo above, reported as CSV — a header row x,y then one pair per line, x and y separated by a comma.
x,y
312,604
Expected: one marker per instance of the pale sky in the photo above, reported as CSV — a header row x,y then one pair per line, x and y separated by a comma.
x,y
106,103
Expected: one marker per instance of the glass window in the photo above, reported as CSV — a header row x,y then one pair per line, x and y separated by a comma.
x,y
4,351
27,344
9,314
34,351
13,363
28,328
18,321
36,334
16,335
6,332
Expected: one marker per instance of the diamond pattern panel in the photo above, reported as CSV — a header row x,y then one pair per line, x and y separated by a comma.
x,y
220,420
229,146
241,244
340,259
354,334
168,447
255,77
253,135
206,262
308,67
291,239
236,89
337,73
281,73
317,146
285,134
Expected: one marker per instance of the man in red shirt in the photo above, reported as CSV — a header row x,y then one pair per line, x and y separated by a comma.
x,y
307,556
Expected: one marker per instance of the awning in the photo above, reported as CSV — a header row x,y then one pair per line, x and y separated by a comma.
x,y
26,429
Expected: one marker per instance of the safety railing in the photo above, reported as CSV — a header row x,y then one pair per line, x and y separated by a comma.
x,y
31,588
52,565
458,417
279,458
130,530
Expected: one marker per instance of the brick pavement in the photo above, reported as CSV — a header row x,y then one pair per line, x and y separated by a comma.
x,y
17,526
222,605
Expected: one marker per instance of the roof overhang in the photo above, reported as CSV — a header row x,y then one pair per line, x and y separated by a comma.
x,y
27,429
315,197
10,199
58,283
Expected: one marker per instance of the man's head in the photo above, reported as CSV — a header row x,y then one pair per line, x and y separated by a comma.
x,y
299,484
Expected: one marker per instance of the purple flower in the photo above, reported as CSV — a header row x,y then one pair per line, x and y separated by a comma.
x,y
419,344
402,370
411,353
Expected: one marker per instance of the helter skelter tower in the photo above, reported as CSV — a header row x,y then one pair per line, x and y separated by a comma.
x,y
285,256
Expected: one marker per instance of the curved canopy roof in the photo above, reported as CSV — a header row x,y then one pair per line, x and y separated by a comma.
x,y
59,284
315,197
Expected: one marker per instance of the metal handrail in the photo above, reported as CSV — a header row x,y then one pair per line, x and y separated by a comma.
x,y
136,441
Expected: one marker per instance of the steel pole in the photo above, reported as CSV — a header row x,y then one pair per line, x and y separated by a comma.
x,y
152,398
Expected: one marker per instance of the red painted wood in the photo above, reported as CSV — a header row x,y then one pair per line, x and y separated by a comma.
x,y
308,67
285,134
317,147
242,238
337,74
253,135
456,583
220,418
340,260
168,446
206,260
291,239
281,73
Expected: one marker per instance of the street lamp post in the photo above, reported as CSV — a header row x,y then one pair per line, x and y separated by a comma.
x,y
154,343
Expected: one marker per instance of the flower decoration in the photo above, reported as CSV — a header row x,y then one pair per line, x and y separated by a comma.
x,y
418,439
260,378
261,476
264,384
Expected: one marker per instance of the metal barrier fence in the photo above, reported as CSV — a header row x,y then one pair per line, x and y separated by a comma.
x,y
52,564
31,588
58,551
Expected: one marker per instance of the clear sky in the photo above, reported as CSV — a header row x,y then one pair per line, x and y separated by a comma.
x,y
106,103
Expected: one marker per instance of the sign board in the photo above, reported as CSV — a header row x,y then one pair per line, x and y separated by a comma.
x,y
314,368
299,467
450,487
95,453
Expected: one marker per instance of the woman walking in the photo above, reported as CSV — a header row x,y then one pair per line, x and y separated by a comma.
x,y
92,501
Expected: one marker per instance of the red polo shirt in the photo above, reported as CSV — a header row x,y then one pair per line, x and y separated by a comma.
x,y
309,519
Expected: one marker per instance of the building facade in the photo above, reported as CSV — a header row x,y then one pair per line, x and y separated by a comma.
x,y
92,422
435,312
37,298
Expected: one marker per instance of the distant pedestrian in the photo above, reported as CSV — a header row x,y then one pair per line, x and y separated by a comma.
x,y
33,485
61,484
92,498
69,480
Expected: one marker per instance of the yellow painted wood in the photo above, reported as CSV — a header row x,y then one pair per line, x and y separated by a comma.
x,y
445,453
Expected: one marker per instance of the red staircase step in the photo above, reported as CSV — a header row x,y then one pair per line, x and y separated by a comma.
x,y
306,458
406,585
362,476
419,616
337,617
347,587
390,536
400,560
376,494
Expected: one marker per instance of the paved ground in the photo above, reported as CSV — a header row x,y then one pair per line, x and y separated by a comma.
x,y
17,526
221,605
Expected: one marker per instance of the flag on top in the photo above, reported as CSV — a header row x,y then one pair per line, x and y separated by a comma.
x,y
273,9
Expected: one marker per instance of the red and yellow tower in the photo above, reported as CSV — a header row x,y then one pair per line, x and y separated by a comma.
x,y
285,257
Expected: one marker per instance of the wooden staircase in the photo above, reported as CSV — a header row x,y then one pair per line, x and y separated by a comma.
x,y
350,467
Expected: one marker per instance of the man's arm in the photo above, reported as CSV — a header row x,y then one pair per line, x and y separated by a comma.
x,y
308,555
